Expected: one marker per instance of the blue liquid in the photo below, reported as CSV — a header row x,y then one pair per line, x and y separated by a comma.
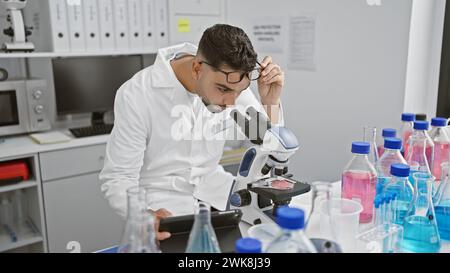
x,y
420,235
443,219
203,241
401,210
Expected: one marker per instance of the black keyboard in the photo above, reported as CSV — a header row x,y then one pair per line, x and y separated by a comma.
x,y
95,130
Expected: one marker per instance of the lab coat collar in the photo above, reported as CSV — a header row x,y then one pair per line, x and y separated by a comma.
x,y
162,73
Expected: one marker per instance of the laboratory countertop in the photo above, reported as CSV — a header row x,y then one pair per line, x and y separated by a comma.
x,y
302,202
24,145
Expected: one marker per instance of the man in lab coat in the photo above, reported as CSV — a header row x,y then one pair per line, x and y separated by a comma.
x,y
164,112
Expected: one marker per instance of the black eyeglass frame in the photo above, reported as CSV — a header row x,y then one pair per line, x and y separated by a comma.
x,y
242,75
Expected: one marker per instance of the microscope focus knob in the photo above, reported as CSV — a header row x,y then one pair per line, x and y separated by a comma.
x,y
241,198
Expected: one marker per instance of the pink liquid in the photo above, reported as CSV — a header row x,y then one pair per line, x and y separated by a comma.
x,y
441,155
380,151
417,154
406,136
361,187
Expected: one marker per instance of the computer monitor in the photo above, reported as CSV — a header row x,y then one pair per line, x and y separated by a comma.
x,y
89,84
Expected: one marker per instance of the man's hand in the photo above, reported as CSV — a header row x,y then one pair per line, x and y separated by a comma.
x,y
161,214
270,86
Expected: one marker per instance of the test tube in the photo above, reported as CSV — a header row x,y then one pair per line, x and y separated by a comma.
x,y
376,214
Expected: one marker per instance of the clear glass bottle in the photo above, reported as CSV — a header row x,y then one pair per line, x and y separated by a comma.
x,y
402,190
441,142
370,136
359,180
392,155
417,158
421,133
139,235
202,238
421,233
292,238
442,203
386,133
407,129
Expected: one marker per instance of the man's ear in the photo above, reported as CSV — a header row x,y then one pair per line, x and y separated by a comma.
x,y
196,68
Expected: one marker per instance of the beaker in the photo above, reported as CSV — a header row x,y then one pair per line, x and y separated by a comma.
x,y
420,227
339,222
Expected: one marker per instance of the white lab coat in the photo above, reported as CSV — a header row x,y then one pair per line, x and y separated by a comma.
x,y
143,151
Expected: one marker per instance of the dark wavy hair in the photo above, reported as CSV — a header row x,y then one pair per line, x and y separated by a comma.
x,y
224,44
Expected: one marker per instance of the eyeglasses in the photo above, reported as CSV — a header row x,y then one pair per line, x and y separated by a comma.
x,y
237,76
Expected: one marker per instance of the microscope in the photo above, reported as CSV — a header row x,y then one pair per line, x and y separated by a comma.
x,y
263,183
17,31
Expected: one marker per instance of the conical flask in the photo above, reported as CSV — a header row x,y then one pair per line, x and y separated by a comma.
x,y
139,235
442,203
420,227
370,136
321,191
202,238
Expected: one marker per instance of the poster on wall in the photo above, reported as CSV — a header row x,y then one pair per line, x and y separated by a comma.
x,y
302,42
268,34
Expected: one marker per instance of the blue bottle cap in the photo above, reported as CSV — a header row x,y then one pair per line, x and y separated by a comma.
x,y
439,122
388,132
362,148
400,170
408,117
248,245
421,125
290,218
393,143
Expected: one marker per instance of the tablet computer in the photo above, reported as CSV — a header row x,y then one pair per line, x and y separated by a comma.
x,y
226,226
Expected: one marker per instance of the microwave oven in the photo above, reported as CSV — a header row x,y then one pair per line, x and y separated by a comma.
x,y
24,107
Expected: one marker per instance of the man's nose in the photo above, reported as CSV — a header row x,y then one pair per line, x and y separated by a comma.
x,y
230,98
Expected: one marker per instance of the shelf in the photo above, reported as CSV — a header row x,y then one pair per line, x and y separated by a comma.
x,y
74,54
28,239
18,186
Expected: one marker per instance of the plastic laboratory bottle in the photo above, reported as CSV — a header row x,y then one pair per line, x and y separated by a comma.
x,y
441,142
292,238
359,180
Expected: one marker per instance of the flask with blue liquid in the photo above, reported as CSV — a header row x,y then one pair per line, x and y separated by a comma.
x,y
421,233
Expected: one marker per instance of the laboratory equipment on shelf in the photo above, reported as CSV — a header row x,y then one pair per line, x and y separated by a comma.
x,y
292,238
202,238
359,180
421,233
17,31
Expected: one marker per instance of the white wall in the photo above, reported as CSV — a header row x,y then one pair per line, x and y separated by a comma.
x,y
360,80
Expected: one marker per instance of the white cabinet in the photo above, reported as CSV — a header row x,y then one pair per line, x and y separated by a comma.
x,y
74,205
77,212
